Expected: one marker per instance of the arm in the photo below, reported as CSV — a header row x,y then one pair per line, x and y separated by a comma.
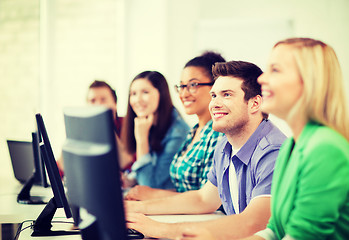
x,y
140,192
251,220
196,234
153,168
203,234
205,200
254,237
141,131
125,159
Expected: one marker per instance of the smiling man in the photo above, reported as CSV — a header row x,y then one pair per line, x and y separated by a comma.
x,y
243,166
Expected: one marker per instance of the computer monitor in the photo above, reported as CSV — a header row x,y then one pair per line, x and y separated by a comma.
x,y
22,159
42,225
28,168
92,172
38,177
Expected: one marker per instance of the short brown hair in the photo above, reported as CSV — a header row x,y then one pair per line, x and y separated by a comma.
x,y
99,83
246,71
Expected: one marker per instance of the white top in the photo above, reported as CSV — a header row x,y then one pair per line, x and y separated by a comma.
x,y
233,183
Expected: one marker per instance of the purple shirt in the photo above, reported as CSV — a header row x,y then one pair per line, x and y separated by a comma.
x,y
254,165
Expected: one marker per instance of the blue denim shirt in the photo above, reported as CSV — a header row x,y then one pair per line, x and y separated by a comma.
x,y
153,169
254,166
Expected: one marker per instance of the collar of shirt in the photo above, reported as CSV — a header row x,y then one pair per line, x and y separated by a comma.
x,y
246,151
203,133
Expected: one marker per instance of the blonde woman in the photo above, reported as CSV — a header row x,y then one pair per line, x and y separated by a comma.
x,y
303,85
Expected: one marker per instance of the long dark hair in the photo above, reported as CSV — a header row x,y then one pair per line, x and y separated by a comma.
x,y
164,112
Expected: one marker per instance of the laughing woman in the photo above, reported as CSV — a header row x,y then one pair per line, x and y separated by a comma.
x,y
303,85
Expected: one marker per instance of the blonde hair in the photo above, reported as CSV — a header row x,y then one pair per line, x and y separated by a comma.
x,y
323,99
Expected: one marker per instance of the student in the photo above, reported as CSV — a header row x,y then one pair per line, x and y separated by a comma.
x,y
191,164
153,130
101,93
304,86
244,158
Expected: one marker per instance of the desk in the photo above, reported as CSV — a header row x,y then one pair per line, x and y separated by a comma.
x,y
13,212
25,235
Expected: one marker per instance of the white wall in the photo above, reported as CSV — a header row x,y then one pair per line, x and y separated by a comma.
x,y
116,39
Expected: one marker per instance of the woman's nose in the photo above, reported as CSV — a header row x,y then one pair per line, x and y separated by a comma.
x,y
261,78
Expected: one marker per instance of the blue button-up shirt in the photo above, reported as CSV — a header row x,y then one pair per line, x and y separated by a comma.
x,y
254,166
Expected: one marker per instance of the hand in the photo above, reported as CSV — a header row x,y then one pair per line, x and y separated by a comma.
x,y
133,206
192,233
145,225
142,127
139,192
127,182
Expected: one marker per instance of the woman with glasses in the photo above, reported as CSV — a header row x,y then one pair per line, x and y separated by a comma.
x,y
193,161
153,130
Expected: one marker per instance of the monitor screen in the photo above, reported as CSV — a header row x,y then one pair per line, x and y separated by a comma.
x,y
28,168
92,172
22,159
42,225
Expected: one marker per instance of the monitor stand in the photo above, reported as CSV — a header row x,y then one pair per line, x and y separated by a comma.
x,y
24,195
42,225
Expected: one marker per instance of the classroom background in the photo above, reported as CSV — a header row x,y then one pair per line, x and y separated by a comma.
x,y
50,51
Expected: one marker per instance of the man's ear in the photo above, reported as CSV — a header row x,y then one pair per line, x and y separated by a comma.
x,y
254,104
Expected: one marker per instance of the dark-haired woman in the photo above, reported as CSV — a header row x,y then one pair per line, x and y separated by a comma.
x,y
152,129
193,161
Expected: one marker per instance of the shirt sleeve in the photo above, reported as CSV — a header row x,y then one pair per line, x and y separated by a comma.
x,y
264,173
211,176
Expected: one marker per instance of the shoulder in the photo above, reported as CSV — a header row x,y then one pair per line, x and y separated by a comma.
x,y
178,126
265,148
272,135
270,139
323,151
319,139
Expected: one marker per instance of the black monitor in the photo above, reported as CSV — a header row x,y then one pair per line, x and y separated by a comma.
x,y
33,162
42,225
92,172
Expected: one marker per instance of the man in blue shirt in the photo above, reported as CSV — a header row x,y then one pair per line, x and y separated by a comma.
x,y
241,176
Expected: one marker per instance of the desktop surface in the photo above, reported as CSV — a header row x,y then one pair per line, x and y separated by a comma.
x,y
13,212
26,232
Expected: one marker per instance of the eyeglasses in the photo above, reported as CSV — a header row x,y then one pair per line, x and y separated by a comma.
x,y
192,87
